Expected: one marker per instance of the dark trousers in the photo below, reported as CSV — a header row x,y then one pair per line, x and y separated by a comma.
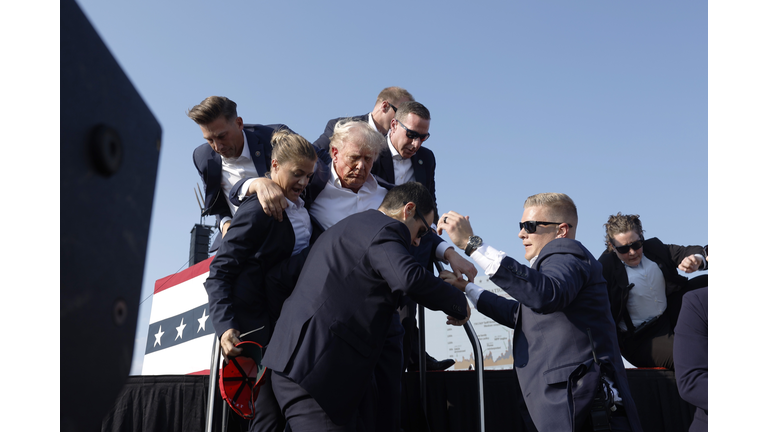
x,y
652,345
267,416
305,415
387,374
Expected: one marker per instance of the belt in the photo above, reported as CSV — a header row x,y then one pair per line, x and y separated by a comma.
x,y
646,324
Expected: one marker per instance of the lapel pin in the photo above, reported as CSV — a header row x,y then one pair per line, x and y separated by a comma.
x,y
421,162
258,153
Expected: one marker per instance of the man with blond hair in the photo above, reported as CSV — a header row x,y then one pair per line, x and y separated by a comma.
x,y
566,353
380,118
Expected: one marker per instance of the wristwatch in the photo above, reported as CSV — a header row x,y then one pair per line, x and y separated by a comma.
x,y
473,243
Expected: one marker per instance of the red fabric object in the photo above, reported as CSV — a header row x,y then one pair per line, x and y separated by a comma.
x,y
241,378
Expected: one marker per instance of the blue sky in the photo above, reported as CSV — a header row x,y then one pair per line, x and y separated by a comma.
x,y
609,102
604,102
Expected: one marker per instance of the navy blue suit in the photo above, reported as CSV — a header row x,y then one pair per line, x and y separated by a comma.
x,y
333,328
555,303
691,358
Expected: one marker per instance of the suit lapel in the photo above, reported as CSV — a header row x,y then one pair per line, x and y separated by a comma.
x,y
387,171
256,148
213,180
419,172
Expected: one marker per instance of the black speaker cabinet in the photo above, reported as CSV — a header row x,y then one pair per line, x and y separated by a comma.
x,y
110,144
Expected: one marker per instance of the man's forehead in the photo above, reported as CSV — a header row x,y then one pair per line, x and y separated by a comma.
x,y
353,148
540,213
414,122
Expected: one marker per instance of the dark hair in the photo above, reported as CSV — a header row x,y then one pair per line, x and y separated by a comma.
x,y
619,224
413,192
212,108
412,107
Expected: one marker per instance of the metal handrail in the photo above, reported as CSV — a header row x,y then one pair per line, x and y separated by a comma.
x,y
215,359
477,348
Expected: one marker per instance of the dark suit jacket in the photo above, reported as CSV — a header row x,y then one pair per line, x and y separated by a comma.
x,y
557,301
690,352
332,329
667,257
324,140
208,164
238,295
423,169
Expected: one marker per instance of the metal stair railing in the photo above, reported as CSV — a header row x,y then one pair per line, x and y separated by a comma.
x,y
477,348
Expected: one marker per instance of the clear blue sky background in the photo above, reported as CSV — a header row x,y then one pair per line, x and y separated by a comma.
x,y
605,101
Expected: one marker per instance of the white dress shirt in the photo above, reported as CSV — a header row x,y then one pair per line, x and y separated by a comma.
x,y
302,226
336,202
403,167
232,171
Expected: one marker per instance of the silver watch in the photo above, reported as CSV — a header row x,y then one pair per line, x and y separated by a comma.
x,y
473,243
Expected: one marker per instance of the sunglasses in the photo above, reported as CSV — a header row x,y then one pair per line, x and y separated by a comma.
x,y
394,108
413,134
624,249
530,226
427,227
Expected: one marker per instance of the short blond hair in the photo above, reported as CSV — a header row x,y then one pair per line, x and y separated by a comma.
x,y
393,95
560,204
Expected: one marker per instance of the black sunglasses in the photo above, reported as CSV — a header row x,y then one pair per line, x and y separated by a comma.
x,y
624,249
394,108
413,134
530,226
427,227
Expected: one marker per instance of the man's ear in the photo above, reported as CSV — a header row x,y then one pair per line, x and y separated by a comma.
x,y
334,152
408,211
562,230
239,123
385,106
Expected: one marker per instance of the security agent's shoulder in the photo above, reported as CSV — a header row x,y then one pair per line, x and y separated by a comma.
x,y
382,228
250,208
425,153
565,246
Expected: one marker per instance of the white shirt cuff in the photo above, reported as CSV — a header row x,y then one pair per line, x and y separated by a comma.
x,y
244,189
488,258
224,220
473,293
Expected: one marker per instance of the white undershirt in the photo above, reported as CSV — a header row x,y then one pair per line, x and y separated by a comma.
x,y
648,298
232,171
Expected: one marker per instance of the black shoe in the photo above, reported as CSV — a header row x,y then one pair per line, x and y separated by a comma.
x,y
433,364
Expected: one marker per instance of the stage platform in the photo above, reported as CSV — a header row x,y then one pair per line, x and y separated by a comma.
x,y
170,403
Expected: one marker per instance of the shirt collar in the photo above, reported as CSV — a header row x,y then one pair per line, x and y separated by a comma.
x,y
246,153
395,155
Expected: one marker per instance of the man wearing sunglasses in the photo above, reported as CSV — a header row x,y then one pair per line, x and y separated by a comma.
x,y
380,118
335,325
404,160
347,187
566,353
646,290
